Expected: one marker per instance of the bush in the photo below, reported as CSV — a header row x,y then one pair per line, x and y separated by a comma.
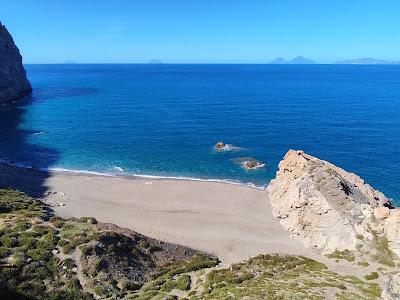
x,y
57,222
4,252
372,276
85,249
68,248
34,289
345,254
97,266
9,241
39,254
201,262
183,283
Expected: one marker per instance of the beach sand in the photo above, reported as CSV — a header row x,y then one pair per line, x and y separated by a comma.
x,y
233,222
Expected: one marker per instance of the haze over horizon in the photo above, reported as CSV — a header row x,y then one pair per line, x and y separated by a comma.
x,y
208,32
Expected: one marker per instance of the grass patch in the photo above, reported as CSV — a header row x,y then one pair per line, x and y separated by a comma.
x,y
345,254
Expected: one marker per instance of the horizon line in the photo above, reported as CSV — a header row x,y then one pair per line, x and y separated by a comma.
x,y
203,63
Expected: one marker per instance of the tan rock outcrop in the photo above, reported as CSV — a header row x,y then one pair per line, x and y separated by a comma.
x,y
328,208
381,212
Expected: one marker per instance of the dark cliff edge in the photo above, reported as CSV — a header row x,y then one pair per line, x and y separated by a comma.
x,y
13,81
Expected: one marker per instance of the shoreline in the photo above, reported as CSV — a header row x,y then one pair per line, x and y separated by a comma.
x,y
233,222
132,176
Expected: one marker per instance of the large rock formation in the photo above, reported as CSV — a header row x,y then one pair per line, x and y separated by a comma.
x,y
13,81
330,209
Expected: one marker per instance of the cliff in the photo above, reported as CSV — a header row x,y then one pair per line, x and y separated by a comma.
x,y
332,210
13,81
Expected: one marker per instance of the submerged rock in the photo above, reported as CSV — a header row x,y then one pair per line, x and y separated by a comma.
x,y
328,208
13,81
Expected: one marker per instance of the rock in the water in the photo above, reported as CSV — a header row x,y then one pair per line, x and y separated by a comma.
x,y
328,208
249,163
13,81
221,146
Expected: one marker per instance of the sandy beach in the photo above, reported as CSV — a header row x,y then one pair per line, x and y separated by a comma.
x,y
233,222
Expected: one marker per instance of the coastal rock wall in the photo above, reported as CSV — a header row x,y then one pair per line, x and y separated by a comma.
x,y
328,208
13,81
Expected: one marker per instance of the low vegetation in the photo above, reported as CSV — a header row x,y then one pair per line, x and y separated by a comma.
x,y
346,255
45,257
282,277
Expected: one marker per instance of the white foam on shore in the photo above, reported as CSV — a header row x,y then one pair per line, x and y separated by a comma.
x,y
132,175
119,169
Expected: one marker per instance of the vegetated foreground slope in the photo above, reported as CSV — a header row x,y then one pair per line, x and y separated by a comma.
x,y
44,257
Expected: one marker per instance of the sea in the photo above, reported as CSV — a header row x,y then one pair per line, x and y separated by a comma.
x,y
163,120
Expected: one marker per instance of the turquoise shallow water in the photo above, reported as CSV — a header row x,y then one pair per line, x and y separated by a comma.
x,y
163,120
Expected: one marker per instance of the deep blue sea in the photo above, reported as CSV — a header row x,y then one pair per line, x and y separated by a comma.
x,y
163,120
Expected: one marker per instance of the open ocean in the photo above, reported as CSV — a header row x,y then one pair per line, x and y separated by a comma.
x,y
163,120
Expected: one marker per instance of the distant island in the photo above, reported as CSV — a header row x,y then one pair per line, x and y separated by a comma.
x,y
298,60
367,61
155,62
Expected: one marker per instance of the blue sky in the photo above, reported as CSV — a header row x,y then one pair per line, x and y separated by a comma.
x,y
213,31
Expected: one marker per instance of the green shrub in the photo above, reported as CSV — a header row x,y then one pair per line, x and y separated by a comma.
x,y
33,288
372,276
201,262
9,241
68,248
4,252
57,222
345,254
85,249
21,225
183,282
39,254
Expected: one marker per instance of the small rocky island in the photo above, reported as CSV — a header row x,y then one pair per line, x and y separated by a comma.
x,y
249,163
221,146
13,81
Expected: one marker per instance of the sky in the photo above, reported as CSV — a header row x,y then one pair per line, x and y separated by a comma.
x,y
206,31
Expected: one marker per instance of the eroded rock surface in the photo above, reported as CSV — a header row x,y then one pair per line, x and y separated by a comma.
x,y
13,81
391,290
328,208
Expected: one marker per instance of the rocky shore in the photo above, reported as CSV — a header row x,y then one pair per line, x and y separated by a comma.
x,y
328,208
338,213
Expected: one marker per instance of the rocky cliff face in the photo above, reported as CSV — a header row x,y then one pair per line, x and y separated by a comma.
x,y
330,209
13,81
